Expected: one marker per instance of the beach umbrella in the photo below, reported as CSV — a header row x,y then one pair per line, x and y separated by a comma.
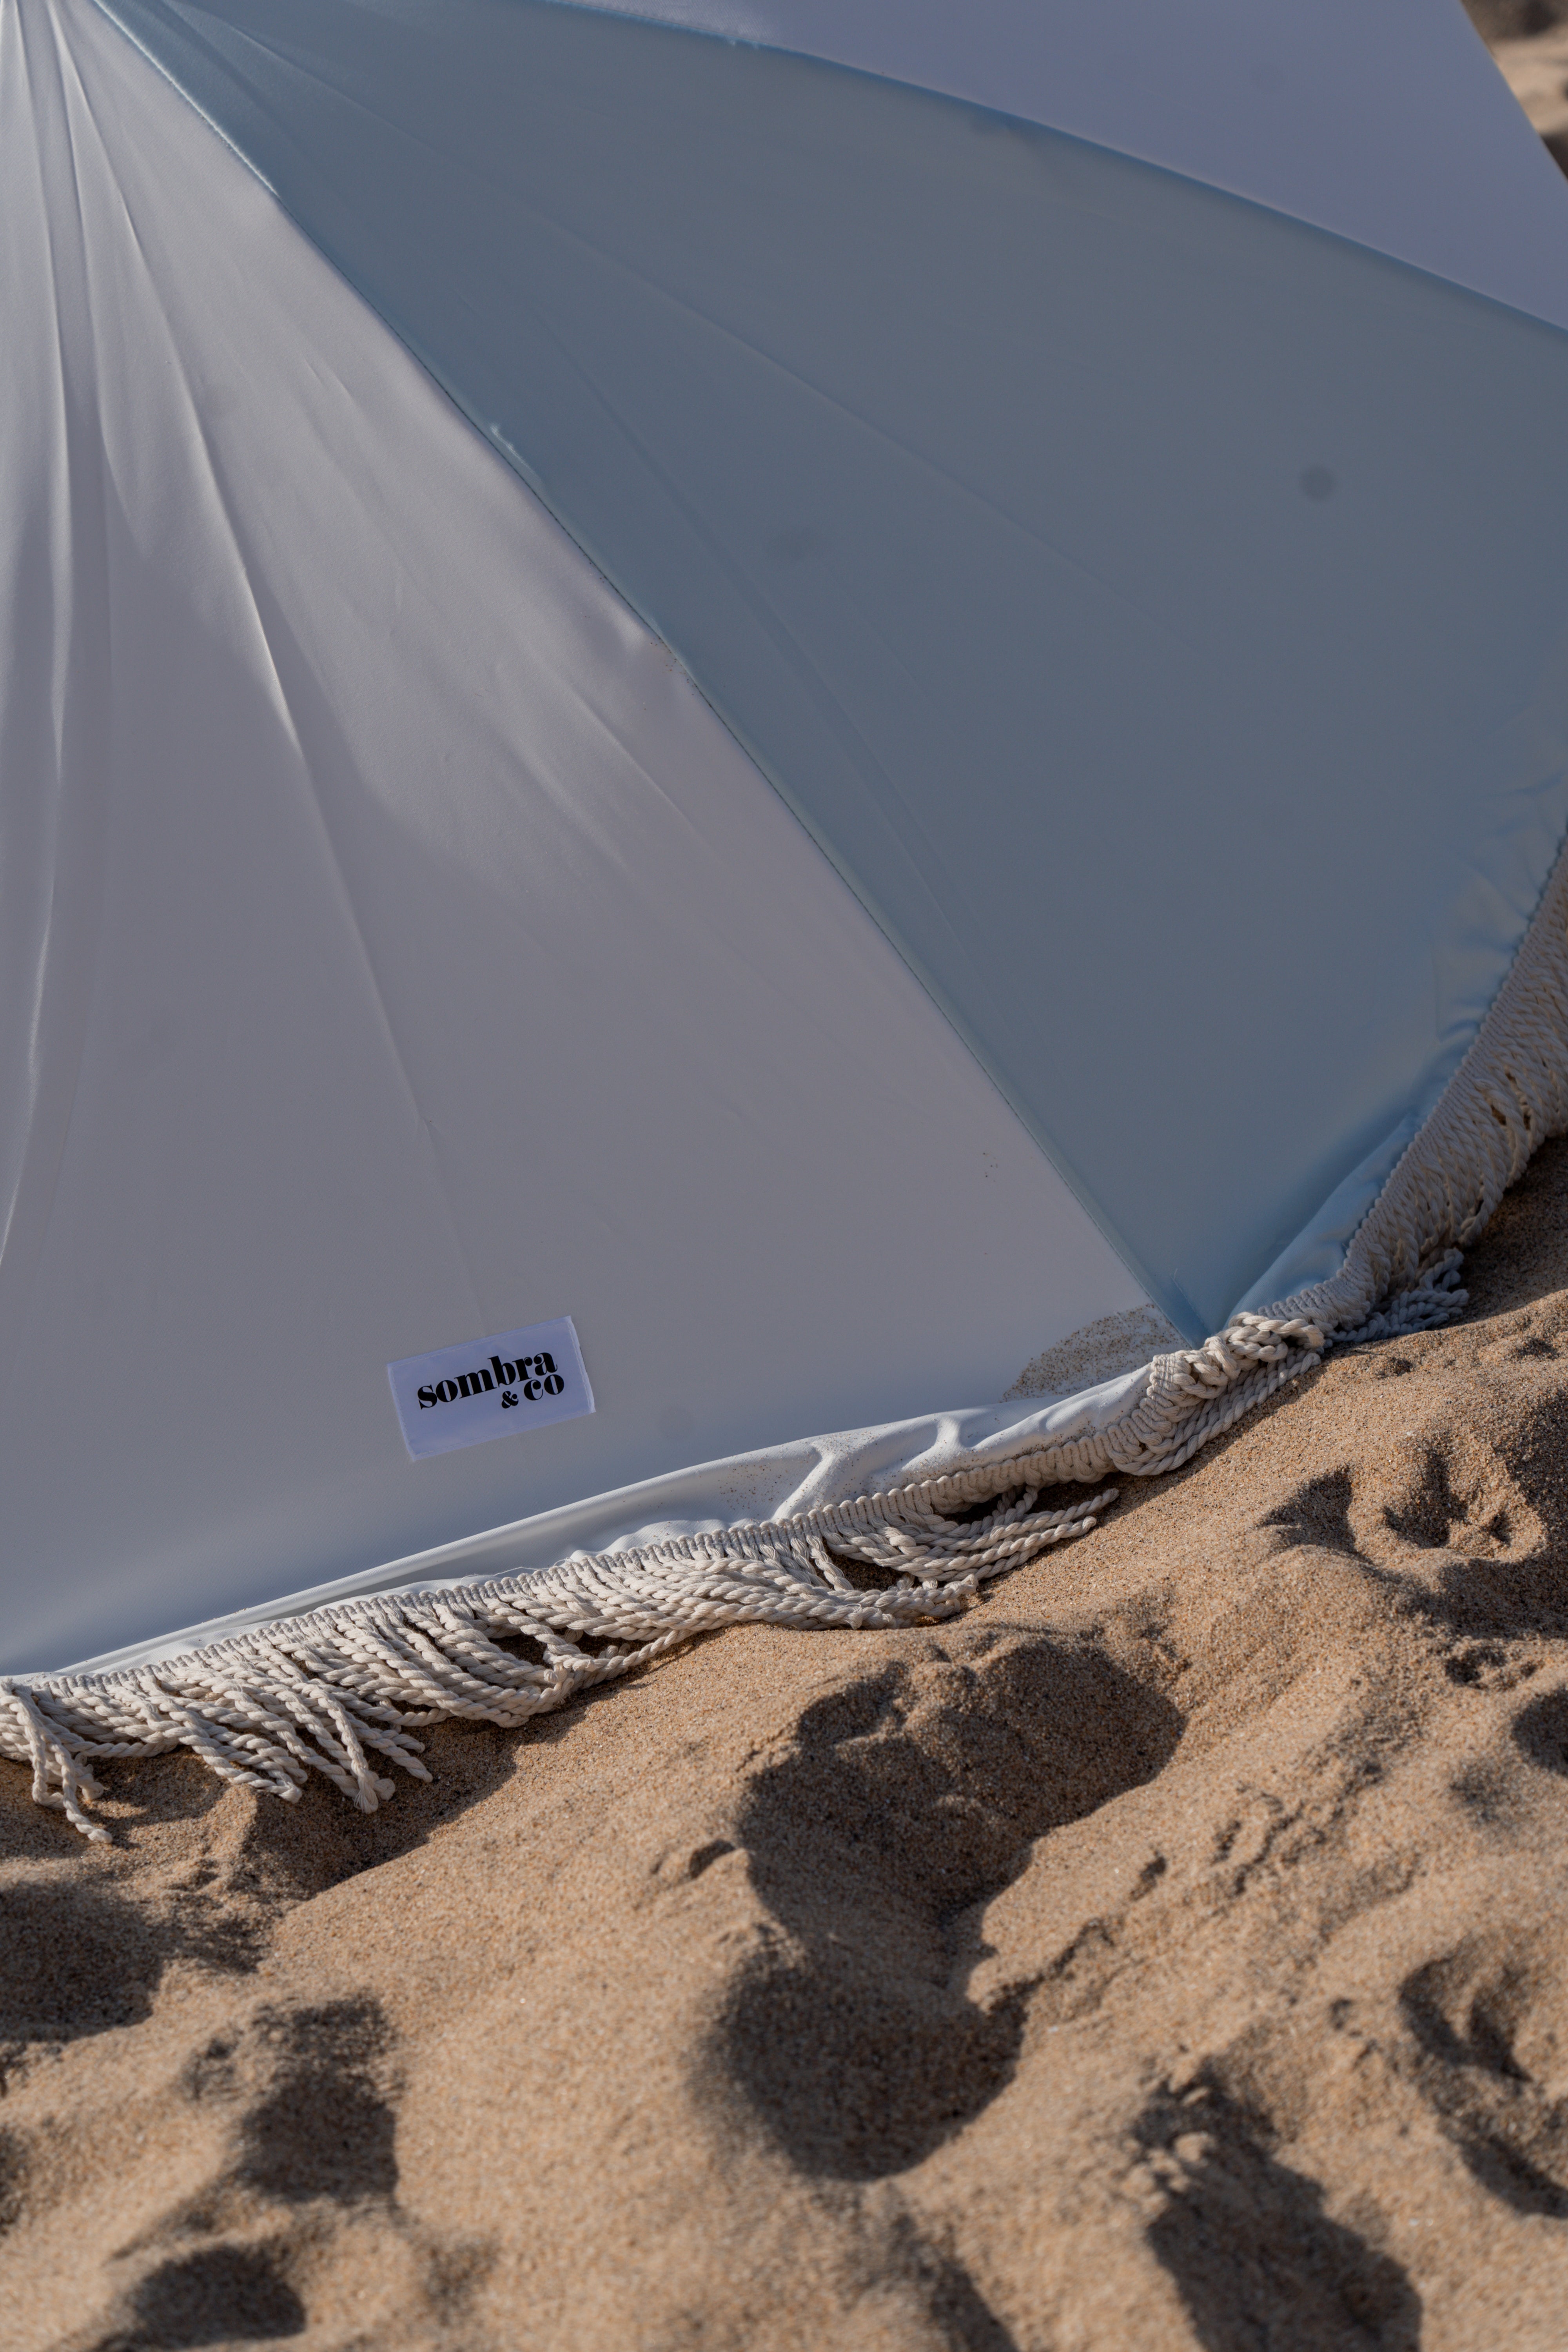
x,y
725,729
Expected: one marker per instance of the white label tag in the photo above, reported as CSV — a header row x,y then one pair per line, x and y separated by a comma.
x,y
487,1387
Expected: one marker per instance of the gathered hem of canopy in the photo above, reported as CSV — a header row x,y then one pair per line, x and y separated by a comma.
x,y
342,1690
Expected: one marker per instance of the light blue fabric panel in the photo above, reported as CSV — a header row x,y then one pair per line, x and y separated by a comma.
x,y
1386,124
1156,608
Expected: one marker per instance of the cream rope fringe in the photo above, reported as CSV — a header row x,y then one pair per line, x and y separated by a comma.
x,y
334,1690
328,1691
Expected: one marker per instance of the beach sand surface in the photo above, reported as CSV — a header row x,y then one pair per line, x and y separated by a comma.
x,y
1529,39
1172,1952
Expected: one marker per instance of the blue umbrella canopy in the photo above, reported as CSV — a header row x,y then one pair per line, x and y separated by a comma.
x,y
966,803
1094,559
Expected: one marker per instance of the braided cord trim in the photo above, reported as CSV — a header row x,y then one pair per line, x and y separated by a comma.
x,y
333,1691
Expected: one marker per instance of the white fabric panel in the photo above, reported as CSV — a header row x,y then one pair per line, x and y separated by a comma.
x,y
396,950
1385,123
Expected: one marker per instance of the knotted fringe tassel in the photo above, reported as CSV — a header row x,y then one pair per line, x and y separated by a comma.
x,y
335,1691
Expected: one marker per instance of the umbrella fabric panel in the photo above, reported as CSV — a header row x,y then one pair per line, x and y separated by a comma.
x,y
1388,124
397,950
1155,606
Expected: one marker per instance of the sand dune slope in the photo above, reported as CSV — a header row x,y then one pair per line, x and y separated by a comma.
x,y
1172,1953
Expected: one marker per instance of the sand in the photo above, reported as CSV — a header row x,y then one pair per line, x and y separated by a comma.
x,y
1529,39
1172,1952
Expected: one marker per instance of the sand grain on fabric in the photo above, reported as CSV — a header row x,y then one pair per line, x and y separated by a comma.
x,y
1172,1953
